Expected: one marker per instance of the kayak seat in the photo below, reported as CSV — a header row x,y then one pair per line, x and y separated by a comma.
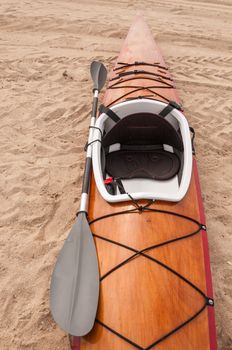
x,y
140,151
139,139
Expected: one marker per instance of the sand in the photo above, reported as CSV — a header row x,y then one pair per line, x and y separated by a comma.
x,y
45,51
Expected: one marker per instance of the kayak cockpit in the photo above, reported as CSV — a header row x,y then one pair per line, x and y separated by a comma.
x,y
144,150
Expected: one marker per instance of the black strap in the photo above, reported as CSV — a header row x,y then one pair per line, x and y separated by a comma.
x,y
103,162
169,108
110,113
120,186
192,139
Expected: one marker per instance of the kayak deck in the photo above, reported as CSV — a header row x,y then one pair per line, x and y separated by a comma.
x,y
156,289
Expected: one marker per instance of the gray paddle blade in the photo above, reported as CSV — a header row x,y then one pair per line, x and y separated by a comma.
x,y
98,74
75,281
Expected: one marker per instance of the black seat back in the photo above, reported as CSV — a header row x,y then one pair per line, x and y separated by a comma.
x,y
143,129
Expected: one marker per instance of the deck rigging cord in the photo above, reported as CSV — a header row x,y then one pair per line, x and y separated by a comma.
x,y
118,81
138,63
140,71
136,253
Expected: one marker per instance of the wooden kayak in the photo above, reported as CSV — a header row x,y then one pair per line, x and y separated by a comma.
x,y
162,297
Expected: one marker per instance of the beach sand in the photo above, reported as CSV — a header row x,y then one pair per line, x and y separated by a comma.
x,y
46,48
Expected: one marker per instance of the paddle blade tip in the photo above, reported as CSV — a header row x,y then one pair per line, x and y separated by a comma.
x,y
99,74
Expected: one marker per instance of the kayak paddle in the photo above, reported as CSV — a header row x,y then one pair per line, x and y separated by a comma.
x,y
74,288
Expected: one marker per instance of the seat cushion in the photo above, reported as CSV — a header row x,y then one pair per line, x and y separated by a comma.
x,y
153,164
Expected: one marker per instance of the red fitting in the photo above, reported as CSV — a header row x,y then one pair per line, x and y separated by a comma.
x,y
109,180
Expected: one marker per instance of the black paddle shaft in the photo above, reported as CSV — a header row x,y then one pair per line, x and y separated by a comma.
x,y
99,74
88,163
